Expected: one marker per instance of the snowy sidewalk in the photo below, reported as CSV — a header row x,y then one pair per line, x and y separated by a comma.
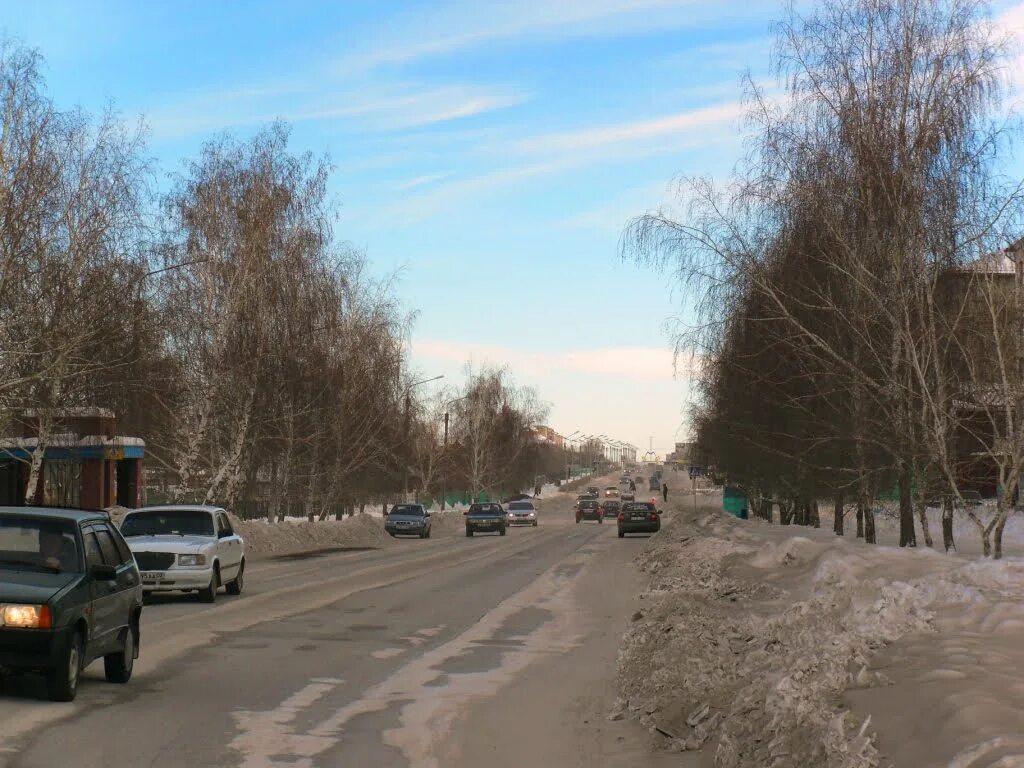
x,y
782,646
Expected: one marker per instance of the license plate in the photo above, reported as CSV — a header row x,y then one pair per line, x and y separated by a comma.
x,y
485,524
639,517
153,576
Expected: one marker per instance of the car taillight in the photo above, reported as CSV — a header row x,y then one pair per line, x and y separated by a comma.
x,y
622,517
654,516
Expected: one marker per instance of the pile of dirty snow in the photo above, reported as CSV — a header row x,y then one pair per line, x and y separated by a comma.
x,y
265,538
751,634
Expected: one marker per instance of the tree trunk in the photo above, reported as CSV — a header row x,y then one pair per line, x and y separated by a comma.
x,y
922,515
907,536
947,524
769,509
785,511
997,552
869,526
838,515
860,520
815,519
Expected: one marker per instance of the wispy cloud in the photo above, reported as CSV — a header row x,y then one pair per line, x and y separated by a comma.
x,y
717,116
381,108
639,363
422,36
421,181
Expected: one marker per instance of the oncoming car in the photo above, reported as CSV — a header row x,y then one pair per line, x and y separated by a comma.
x,y
69,594
486,517
639,517
522,513
408,520
186,548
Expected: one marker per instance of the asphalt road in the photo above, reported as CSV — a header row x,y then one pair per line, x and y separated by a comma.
x,y
441,652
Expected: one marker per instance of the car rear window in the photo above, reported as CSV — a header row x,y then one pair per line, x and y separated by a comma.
x,y
640,506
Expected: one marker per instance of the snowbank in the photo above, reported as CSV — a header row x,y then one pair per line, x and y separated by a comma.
x,y
752,635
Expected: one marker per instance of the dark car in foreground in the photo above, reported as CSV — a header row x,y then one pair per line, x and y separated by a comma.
x,y
408,520
485,518
589,509
639,517
611,507
70,593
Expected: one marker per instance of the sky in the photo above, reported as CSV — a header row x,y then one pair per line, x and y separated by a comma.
x,y
488,154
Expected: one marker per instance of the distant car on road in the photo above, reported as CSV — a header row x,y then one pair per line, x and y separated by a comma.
x,y
611,507
639,517
70,593
654,484
408,520
594,490
485,518
612,491
186,548
589,509
522,513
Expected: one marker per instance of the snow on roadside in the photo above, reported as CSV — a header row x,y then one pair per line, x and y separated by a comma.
x,y
750,634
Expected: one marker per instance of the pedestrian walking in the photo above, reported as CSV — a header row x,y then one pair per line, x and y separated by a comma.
x,y
664,491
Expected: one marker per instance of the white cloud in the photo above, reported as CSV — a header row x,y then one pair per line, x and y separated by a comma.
x,y
388,108
430,34
420,181
716,117
632,363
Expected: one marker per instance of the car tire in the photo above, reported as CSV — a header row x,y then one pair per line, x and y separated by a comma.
x,y
469,533
577,521
209,594
622,534
235,587
62,679
534,523
600,521
502,531
117,667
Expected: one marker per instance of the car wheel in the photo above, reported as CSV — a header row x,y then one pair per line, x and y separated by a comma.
x,y
600,521
577,521
235,587
622,534
209,594
502,531
118,666
62,679
469,532
428,533
534,523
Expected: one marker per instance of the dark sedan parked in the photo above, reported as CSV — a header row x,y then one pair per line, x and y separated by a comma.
x,y
408,520
70,593
486,518
639,517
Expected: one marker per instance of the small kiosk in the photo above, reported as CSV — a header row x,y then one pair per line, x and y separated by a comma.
x,y
85,463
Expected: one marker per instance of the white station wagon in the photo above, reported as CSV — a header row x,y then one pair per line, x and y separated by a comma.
x,y
186,548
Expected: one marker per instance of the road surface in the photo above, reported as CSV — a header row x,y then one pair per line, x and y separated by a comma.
x,y
496,651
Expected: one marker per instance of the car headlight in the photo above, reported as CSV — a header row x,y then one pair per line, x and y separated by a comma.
x,y
191,560
533,514
25,616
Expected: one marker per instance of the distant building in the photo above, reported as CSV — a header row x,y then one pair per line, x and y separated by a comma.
x,y
543,434
85,462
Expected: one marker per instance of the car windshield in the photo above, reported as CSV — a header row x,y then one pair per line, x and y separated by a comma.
x,y
407,509
484,509
28,543
176,522
520,506
589,504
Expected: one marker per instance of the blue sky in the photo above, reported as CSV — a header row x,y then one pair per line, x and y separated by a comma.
x,y
488,151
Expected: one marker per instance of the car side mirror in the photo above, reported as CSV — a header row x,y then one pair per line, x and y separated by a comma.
x,y
103,572
224,533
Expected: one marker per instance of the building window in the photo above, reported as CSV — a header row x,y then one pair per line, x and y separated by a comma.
x,y
62,483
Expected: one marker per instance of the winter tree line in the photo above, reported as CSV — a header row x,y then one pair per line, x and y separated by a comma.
x,y
858,284
215,311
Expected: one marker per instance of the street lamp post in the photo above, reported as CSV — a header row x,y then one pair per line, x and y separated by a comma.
x,y
444,453
408,451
